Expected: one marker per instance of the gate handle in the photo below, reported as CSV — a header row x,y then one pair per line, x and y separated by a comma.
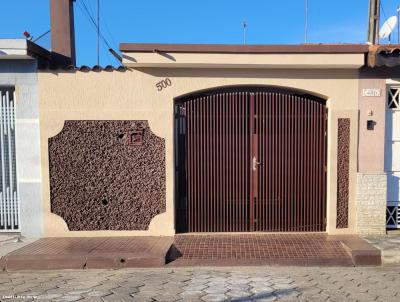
x,y
255,163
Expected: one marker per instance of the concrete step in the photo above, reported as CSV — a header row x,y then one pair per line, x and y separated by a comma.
x,y
389,246
362,252
91,252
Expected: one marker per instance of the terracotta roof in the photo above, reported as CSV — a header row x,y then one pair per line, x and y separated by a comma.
x,y
384,55
225,48
85,68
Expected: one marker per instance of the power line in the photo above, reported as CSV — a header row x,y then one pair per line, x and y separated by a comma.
x,y
108,30
87,14
82,5
104,23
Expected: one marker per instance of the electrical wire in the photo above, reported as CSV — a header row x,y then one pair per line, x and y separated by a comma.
x,y
104,21
82,5
95,28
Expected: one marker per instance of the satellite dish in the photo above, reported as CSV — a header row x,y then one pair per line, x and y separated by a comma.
x,y
388,27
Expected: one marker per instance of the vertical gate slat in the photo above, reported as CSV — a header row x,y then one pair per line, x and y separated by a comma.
x,y
246,163
224,214
281,147
324,146
239,156
205,164
290,176
251,132
270,163
199,167
195,166
220,155
315,163
187,163
301,162
319,167
213,149
295,161
192,165
243,161
273,195
263,159
309,170
312,163
208,164
282,144
236,159
321,163
231,163
228,163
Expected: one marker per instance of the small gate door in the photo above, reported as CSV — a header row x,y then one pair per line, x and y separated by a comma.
x,y
253,161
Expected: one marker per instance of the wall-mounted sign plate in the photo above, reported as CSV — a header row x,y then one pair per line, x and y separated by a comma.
x,y
371,92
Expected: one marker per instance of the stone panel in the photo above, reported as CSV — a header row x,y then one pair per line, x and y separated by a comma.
x,y
342,220
107,175
371,203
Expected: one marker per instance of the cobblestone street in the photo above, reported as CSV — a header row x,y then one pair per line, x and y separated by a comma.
x,y
205,284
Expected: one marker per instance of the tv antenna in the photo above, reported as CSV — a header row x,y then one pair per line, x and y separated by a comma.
x,y
388,28
244,24
306,24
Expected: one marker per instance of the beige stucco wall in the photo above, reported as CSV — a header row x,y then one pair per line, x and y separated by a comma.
x,y
242,60
372,142
133,95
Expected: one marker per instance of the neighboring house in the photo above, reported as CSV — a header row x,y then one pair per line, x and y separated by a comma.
x,y
218,138
21,200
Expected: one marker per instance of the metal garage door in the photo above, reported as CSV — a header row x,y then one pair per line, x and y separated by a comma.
x,y
392,157
252,161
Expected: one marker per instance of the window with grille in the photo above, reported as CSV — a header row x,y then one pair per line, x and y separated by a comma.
x,y
9,206
394,98
392,216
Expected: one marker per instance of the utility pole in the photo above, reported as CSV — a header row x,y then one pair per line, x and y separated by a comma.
x,y
373,25
98,32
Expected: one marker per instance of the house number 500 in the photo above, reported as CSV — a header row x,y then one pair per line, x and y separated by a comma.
x,y
163,84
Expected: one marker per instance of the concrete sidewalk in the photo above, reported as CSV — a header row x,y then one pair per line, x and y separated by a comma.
x,y
389,246
12,242
205,284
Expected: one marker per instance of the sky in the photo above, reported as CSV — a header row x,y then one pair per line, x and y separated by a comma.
x,y
189,21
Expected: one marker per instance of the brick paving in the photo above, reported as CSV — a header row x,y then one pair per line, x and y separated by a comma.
x,y
296,249
237,284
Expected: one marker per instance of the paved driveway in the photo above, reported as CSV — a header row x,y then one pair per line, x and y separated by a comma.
x,y
205,284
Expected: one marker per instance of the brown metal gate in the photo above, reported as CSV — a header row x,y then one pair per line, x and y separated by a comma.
x,y
253,161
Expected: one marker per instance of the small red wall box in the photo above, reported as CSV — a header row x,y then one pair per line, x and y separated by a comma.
x,y
136,137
